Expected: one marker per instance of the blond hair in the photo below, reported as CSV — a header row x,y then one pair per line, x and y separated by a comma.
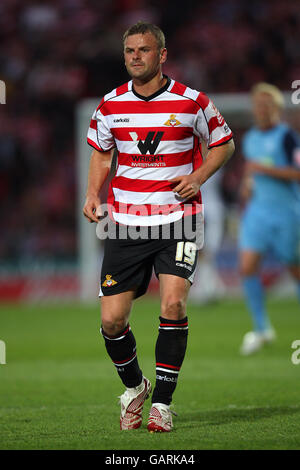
x,y
142,27
271,90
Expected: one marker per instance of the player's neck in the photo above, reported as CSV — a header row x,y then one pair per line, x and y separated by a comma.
x,y
151,86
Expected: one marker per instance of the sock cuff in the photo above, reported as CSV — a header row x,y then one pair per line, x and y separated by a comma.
x,y
119,336
166,324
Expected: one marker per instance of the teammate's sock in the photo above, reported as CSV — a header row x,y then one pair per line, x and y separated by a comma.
x,y
122,351
254,293
169,353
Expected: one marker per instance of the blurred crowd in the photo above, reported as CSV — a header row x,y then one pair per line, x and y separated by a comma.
x,y
54,53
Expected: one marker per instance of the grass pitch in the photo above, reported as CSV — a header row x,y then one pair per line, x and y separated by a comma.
x,y
59,390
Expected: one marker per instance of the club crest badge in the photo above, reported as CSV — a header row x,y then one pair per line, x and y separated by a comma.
x,y
172,121
109,281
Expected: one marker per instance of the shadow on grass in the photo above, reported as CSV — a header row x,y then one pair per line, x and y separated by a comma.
x,y
231,415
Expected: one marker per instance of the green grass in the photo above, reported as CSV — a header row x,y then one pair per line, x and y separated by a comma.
x,y
59,390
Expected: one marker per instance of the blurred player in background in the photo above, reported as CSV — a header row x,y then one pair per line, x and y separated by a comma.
x,y
271,219
214,218
156,125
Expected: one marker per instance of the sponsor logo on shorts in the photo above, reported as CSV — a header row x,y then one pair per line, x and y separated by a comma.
x,y
109,281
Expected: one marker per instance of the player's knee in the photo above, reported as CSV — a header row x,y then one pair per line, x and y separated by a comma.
x,y
173,308
247,269
112,326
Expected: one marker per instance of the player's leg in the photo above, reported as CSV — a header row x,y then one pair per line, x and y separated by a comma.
x,y
255,299
125,275
253,289
121,347
170,348
119,339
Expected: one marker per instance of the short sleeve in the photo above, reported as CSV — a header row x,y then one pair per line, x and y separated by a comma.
x,y
291,144
210,125
99,134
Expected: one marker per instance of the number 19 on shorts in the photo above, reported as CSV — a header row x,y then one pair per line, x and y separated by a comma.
x,y
186,252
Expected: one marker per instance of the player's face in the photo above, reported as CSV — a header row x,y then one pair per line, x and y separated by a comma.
x,y
142,56
265,111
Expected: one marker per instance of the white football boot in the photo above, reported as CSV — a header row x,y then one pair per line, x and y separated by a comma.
x,y
253,341
132,402
160,418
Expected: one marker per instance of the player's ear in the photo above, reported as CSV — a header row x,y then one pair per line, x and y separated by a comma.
x,y
163,55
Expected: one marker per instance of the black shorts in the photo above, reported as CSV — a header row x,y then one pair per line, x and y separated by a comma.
x,y
128,264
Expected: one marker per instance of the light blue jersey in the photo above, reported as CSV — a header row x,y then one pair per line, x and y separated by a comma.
x,y
272,217
276,147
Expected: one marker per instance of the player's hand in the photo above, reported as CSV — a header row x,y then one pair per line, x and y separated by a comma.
x,y
92,209
186,186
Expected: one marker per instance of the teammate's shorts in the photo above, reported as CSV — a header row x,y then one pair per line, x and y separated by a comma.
x,y
128,264
263,229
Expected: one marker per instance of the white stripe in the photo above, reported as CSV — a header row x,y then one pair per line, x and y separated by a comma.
x,y
172,328
168,370
112,339
149,120
156,174
165,146
192,94
137,198
110,95
92,135
217,134
150,220
125,363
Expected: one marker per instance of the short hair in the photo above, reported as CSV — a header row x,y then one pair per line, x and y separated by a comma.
x,y
271,90
142,27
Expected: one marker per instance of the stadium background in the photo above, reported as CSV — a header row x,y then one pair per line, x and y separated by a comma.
x,y
55,54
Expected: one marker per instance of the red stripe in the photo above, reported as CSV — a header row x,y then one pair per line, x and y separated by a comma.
x,y
167,365
92,143
174,324
197,154
169,133
178,88
151,209
93,124
213,123
194,207
202,100
100,104
170,159
144,186
125,360
122,89
149,107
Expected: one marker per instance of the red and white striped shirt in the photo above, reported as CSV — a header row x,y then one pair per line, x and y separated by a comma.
x,y
158,138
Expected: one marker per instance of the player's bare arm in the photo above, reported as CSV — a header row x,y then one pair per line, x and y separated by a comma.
x,y
100,163
285,173
246,186
188,186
